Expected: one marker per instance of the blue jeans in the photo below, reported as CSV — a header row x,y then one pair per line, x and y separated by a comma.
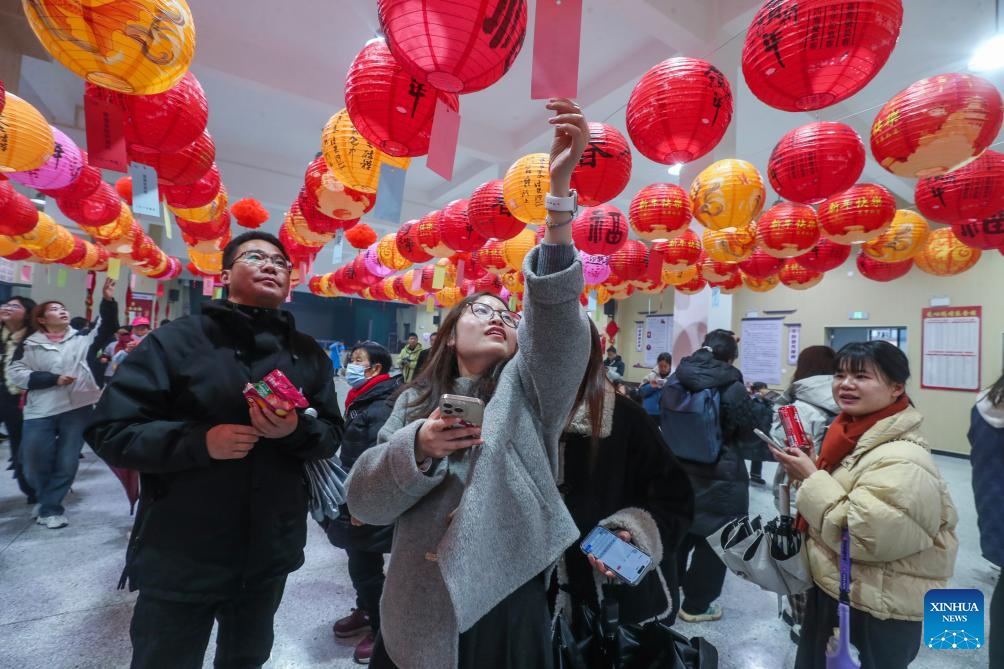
x,y
50,450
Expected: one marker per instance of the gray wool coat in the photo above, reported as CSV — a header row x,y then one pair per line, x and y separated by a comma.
x,y
510,523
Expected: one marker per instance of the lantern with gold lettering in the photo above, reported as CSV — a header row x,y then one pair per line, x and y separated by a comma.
x,y
350,156
968,194
882,271
902,239
660,211
727,194
859,214
796,277
524,186
730,244
729,285
600,230
605,166
787,230
429,234
761,285
815,161
681,252
489,257
944,255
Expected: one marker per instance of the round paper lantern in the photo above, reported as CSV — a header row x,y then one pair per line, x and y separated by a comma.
x,y
86,183
730,285
388,106
317,220
802,55
489,214
787,230
76,254
490,258
42,234
901,240
595,269
389,256
131,46
937,125
371,257
679,110
970,193
629,262
489,283
824,256
101,207
660,211
205,213
26,141
730,244
167,121
692,287
763,285
61,169
199,193
514,250
986,235
815,161
525,184
456,229
715,271
455,47
796,277
331,197
859,214
407,242
760,265
944,255
672,277
604,168
449,296
181,167
350,156
727,194
18,214
206,230
429,234
680,252
600,230
210,264
882,271
115,229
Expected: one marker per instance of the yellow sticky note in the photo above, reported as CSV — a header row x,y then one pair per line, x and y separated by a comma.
x,y
219,293
114,267
438,277
167,222
430,305
61,278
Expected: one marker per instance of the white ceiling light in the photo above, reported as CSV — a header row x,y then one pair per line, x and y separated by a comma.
x,y
675,169
989,55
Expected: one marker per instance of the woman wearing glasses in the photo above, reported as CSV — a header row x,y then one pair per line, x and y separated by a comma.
x,y
479,520
13,328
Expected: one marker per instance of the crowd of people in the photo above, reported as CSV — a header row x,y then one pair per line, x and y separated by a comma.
x,y
482,519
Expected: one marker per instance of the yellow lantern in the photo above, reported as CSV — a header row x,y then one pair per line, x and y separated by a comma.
x,y
8,245
206,213
730,244
139,47
513,280
26,140
301,233
449,296
44,233
901,241
761,285
727,194
387,286
525,185
389,256
944,255
679,277
602,295
514,250
351,158
450,275
207,263
409,282
57,248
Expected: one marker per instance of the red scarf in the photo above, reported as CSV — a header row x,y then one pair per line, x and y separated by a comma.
x,y
356,392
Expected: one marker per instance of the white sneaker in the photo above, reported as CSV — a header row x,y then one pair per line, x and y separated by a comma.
x,y
56,522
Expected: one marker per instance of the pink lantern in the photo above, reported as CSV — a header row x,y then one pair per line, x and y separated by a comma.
x,y
371,259
595,268
60,170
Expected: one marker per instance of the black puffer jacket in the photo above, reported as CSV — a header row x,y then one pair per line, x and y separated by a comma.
x,y
721,490
208,528
364,418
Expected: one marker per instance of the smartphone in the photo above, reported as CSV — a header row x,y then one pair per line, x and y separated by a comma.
x,y
620,557
470,410
770,442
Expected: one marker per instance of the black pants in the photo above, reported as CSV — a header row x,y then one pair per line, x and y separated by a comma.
x,y
997,625
881,644
702,581
174,635
366,574
756,469
13,419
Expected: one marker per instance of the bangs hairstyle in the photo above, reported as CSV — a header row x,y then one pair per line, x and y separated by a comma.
x,y
38,312
815,361
440,373
377,354
886,360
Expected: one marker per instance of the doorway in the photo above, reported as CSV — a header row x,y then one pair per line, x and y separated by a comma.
x,y
837,338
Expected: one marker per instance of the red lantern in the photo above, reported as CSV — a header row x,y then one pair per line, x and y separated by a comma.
x,y
78,253
489,214
760,265
600,230
18,214
882,271
815,161
360,236
168,121
206,231
797,277
679,111
730,285
490,257
388,106
660,211
802,55
693,286
489,283
179,168
604,168
86,183
968,194
986,235
318,221
824,256
787,230
456,229
407,244
680,253
859,214
714,271
197,194
937,125
456,47
630,261
430,235
101,207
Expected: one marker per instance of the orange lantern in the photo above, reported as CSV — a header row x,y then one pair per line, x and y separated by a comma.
x,y
715,271
761,285
524,186
660,211
207,263
602,295
681,252
351,158
859,214
26,140
514,250
388,254
730,244
944,255
797,277
901,241
727,194
42,234
692,287
139,47
205,213
787,230
514,281
671,277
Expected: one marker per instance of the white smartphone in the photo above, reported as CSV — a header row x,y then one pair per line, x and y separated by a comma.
x,y
770,442
470,410
626,561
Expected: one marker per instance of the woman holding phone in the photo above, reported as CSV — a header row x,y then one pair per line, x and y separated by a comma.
x,y
874,477
479,519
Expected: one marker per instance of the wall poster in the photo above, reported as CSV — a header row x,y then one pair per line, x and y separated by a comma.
x,y
760,349
950,348
658,337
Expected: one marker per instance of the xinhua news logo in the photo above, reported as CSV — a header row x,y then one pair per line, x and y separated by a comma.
x,y
953,619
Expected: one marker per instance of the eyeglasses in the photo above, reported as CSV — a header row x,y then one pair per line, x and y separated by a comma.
x,y
12,306
486,313
260,259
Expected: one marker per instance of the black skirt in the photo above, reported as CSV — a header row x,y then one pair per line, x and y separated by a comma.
x,y
516,633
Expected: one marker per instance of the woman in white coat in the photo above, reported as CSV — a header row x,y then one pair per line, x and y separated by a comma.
x,y
51,364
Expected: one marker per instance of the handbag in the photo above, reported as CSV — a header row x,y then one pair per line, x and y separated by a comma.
x,y
325,487
838,648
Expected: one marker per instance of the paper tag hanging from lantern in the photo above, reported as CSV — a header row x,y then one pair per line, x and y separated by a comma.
x,y
106,145
145,195
556,41
438,277
167,224
443,142
208,284
390,196
26,273
338,248
114,267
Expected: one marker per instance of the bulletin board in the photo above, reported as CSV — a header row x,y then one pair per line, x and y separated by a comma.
x,y
760,349
658,337
951,339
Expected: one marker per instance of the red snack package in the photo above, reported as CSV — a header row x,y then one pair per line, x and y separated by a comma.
x,y
276,393
284,388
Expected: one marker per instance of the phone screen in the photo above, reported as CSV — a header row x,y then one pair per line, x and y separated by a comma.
x,y
625,560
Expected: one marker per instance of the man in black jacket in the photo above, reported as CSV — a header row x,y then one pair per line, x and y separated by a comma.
x,y
721,489
222,514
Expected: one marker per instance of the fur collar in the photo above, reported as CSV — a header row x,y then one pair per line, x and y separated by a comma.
x,y
580,421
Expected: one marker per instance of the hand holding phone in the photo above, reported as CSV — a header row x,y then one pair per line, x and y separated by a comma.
x,y
440,437
770,442
626,561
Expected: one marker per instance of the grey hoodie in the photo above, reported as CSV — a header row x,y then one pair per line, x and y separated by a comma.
x,y
813,399
994,416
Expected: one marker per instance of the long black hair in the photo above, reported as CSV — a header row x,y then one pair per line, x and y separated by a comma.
x,y
996,392
592,391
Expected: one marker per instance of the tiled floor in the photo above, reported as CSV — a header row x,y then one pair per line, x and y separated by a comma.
x,y
59,608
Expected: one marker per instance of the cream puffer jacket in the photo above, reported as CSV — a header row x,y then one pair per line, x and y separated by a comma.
x,y
891,496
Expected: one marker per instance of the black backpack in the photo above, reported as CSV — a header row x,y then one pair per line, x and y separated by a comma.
x,y
690,421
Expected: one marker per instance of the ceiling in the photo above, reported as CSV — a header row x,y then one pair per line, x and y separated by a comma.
x,y
274,73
